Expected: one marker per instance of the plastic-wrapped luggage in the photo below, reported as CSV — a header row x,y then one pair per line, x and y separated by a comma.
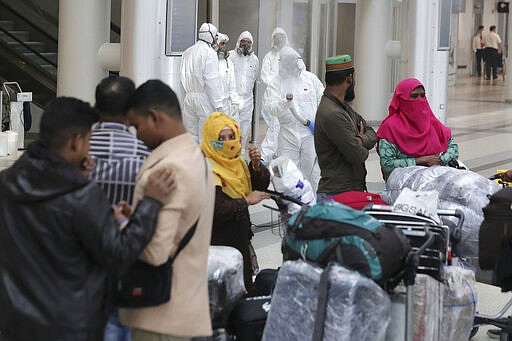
x,y
357,308
458,189
441,311
427,310
225,282
459,304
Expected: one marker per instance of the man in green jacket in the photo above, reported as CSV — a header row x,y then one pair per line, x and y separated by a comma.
x,y
343,139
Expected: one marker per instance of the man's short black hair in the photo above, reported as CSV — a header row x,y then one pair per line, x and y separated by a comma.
x,y
337,77
492,28
64,117
112,94
154,94
480,27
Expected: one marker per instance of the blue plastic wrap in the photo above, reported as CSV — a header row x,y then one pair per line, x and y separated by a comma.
x,y
357,308
458,189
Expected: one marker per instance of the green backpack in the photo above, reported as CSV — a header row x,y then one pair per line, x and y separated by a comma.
x,y
330,231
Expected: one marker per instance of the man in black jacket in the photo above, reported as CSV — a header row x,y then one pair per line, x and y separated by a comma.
x,y
58,236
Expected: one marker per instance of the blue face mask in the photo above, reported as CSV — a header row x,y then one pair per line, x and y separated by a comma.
x,y
217,145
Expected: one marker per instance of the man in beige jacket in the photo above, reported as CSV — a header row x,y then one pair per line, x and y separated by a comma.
x,y
154,110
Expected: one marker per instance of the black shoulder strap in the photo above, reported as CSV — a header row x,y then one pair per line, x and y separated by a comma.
x,y
192,230
185,240
321,305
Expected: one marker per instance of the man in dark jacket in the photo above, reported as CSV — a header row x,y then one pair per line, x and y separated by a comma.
x,y
58,237
342,136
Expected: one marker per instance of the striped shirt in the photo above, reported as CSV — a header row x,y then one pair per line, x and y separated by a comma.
x,y
119,156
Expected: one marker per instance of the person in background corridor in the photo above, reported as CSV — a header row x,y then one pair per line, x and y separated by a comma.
x,y
478,49
493,46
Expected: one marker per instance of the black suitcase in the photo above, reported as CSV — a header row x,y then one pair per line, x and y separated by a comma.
x,y
265,282
497,226
248,318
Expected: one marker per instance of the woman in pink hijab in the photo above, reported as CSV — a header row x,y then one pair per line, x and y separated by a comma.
x,y
411,134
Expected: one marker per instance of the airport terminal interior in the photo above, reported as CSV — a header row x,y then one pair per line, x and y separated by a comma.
x,y
388,39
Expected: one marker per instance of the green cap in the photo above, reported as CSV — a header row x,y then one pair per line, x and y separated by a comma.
x,y
338,63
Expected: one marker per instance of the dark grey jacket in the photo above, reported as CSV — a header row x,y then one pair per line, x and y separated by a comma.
x,y
58,242
340,157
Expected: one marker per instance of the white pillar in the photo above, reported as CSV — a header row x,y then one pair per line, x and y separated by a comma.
x,y
427,62
508,65
142,37
83,27
370,58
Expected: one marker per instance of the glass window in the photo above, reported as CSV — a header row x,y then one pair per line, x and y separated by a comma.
x,y
181,26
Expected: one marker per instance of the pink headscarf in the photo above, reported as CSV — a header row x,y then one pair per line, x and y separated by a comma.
x,y
411,125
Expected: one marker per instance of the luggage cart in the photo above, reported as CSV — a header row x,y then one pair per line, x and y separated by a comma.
x,y
431,248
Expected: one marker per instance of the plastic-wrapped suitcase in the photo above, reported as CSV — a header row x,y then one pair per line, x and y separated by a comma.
x,y
357,308
225,282
247,320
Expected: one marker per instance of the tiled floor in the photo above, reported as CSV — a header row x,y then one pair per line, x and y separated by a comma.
x,y
481,123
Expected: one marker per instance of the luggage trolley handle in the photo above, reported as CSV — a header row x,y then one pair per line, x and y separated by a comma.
x,y
276,196
413,258
456,233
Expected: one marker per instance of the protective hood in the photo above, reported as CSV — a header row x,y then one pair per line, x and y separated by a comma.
x,y
40,175
208,33
241,49
279,39
290,63
222,38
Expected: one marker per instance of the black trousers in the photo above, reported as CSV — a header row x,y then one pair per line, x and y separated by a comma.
x,y
479,54
491,62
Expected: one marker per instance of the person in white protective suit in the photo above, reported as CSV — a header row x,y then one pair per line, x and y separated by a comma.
x,y
246,65
270,69
293,97
227,78
200,81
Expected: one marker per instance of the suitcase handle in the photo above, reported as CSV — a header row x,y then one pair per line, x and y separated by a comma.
x,y
279,196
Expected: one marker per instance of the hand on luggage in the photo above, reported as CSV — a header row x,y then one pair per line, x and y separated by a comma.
x,y
429,160
255,197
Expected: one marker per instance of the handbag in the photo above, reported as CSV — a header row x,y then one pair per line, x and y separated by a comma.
x,y
145,285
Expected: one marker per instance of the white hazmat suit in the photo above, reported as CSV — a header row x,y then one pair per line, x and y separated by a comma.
x,y
295,137
227,80
246,73
200,81
270,69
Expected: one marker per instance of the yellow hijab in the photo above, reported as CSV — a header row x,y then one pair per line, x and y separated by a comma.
x,y
230,170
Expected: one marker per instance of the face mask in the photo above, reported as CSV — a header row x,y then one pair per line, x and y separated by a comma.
x,y
222,53
244,49
228,149
279,41
300,65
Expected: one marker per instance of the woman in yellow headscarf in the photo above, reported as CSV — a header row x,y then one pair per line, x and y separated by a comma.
x,y
235,182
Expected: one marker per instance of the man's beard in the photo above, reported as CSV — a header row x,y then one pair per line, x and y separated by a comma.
x,y
350,95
